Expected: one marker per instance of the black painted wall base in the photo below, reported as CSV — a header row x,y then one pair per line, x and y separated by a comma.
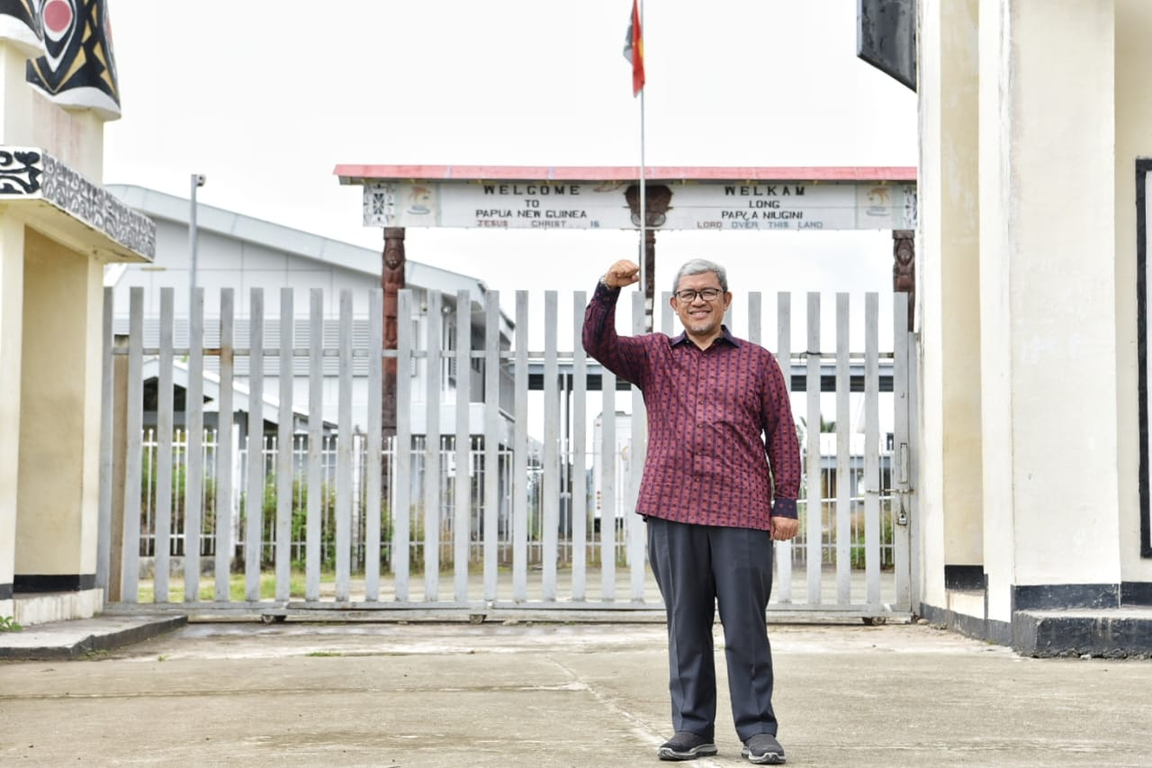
x,y
965,577
978,627
1136,593
1041,597
1110,620
25,583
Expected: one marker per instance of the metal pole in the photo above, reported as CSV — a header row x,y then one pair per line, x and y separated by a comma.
x,y
198,180
643,204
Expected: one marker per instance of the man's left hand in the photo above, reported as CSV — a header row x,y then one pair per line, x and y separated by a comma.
x,y
784,528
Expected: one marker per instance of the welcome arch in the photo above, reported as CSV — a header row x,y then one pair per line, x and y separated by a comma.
x,y
607,197
396,197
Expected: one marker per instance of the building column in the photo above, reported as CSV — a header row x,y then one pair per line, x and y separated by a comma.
x,y
1048,305
15,130
58,486
1133,142
947,277
11,319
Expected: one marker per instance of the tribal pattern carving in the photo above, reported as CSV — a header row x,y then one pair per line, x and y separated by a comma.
x,y
910,203
28,173
904,269
72,192
20,21
20,172
379,205
78,69
657,199
127,226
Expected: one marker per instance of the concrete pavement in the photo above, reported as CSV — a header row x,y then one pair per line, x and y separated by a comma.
x,y
525,694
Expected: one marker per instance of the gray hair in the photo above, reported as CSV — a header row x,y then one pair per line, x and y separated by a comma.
x,y
699,267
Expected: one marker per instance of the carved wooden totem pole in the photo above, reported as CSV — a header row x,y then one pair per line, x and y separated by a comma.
x,y
904,270
392,281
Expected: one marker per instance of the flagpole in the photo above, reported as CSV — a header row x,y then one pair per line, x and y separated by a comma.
x,y
643,208
643,214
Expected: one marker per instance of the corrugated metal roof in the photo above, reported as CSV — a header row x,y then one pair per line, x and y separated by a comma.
x,y
286,239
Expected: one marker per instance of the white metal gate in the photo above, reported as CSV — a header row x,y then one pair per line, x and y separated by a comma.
x,y
519,501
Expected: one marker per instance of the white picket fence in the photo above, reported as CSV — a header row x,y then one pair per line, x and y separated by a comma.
x,y
323,537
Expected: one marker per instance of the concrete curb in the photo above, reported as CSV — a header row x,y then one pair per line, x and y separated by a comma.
x,y
1109,634
75,639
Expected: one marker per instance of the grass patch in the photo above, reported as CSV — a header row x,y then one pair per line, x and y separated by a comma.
x,y
237,588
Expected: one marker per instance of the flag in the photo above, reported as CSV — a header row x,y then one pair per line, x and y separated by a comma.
x,y
634,49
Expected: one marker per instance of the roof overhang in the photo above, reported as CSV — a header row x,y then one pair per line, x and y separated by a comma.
x,y
270,406
61,203
359,174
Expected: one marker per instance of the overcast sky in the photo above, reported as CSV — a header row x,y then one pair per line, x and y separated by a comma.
x,y
266,98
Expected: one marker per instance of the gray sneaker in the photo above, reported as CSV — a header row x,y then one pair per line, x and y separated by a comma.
x,y
763,749
686,746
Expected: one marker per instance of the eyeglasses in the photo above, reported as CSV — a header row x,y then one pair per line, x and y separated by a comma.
x,y
708,294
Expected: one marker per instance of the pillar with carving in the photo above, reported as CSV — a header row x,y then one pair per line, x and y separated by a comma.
x,y
904,269
392,281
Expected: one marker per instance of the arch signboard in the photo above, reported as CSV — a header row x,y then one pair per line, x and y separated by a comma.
x,y
496,197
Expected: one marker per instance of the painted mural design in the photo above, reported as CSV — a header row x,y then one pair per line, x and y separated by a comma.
x,y
29,173
20,171
78,69
20,21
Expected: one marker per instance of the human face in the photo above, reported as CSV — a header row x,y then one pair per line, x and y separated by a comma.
x,y
701,319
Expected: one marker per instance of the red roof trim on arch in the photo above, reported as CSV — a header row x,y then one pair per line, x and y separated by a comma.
x,y
359,173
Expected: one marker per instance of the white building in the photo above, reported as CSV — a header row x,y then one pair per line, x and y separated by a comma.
x,y
58,230
242,253
1035,133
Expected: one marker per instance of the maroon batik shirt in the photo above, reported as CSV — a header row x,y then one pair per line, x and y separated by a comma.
x,y
707,412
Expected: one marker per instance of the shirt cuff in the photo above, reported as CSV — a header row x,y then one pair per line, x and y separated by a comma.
x,y
784,508
603,289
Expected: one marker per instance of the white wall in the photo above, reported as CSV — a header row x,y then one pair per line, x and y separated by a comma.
x,y
224,262
947,270
1048,330
1133,141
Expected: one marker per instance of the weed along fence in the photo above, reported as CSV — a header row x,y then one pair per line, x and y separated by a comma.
x,y
246,467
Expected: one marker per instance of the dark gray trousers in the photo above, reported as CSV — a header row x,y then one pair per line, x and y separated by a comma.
x,y
699,567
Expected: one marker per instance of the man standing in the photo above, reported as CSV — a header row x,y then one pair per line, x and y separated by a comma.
x,y
717,406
